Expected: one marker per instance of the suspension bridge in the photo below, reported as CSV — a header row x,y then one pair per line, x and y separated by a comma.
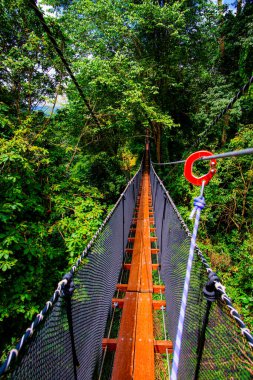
x,y
115,314
136,305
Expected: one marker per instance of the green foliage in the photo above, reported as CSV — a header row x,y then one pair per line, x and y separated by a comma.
x,y
47,217
226,223
143,66
78,215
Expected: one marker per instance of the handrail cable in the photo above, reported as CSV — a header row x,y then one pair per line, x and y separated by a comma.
x,y
13,354
46,28
205,158
218,285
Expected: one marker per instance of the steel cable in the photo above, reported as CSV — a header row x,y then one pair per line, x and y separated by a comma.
x,y
46,28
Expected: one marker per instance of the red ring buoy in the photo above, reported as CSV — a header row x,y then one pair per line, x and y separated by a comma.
x,y
188,168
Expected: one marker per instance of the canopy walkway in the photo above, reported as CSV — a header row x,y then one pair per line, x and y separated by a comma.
x,y
112,317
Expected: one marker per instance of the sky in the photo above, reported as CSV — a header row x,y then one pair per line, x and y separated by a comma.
x,y
225,1
231,3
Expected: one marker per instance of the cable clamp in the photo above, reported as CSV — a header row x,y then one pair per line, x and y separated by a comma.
x,y
13,352
220,287
40,317
209,290
245,330
232,311
30,330
69,286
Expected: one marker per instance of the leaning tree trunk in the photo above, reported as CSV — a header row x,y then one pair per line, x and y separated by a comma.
x,y
225,128
239,7
157,137
158,144
221,39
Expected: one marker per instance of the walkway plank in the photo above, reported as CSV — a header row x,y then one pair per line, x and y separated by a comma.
x,y
134,356
124,358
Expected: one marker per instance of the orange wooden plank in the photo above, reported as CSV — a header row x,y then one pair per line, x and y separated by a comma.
x,y
158,288
144,349
110,344
149,207
118,302
158,304
153,250
124,355
129,250
160,346
151,220
121,287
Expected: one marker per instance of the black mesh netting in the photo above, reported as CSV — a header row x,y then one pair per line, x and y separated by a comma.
x,y
49,353
226,355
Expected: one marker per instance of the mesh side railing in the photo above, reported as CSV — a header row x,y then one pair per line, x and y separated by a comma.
x,y
67,344
226,354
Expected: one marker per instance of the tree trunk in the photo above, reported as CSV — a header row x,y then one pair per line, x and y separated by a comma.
x,y
239,7
221,39
225,127
158,144
157,137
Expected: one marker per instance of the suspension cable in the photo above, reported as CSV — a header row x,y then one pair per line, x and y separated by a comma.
x,y
216,119
46,28
221,155
228,107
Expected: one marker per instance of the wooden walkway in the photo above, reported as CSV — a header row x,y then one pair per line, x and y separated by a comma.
x,y
135,346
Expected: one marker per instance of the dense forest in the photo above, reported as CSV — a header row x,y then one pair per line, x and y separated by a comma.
x,y
168,67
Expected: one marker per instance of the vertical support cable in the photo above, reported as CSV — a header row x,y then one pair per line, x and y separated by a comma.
x,y
155,193
211,295
133,191
199,204
71,332
202,339
161,240
123,232
67,293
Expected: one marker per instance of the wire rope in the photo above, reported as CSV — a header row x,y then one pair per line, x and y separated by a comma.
x,y
46,28
205,158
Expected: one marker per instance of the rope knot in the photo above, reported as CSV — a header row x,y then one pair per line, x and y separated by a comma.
x,y
69,287
199,203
